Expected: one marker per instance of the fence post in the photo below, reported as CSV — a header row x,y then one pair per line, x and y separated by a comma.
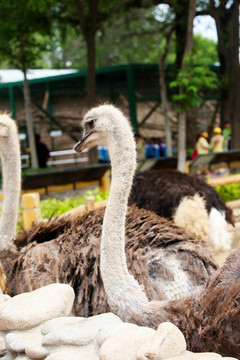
x,y
187,169
31,209
89,203
105,182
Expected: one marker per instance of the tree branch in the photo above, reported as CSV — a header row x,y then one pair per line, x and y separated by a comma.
x,y
78,6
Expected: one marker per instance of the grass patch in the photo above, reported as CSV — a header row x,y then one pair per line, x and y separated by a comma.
x,y
229,192
53,207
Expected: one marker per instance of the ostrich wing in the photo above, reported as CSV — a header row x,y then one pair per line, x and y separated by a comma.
x,y
67,250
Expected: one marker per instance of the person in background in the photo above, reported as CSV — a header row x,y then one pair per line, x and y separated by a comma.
x,y
42,152
227,132
202,145
163,147
150,149
195,152
156,147
217,141
103,155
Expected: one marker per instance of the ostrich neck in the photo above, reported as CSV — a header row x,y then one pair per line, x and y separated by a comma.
x,y
121,288
11,171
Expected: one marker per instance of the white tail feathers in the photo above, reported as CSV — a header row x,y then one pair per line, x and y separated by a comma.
x,y
192,216
219,237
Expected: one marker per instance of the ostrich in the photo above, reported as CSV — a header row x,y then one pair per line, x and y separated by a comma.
x,y
187,200
209,319
11,170
11,174
166,261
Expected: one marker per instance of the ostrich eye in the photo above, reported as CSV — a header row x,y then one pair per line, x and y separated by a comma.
x,y
90,124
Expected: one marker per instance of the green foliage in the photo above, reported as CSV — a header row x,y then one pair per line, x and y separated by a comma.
x,y
128,35
134,37
229,192
47,34
53,207
30,170
192,80
189,151
20,225
205,51
20,27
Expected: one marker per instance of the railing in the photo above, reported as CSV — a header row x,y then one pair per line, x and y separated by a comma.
x,y
77,158
73,158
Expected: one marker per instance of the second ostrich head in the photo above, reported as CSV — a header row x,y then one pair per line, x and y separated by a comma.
x,y
106,125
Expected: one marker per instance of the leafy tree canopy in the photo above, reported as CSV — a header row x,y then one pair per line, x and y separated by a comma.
x,y
22,22
135,36
192,80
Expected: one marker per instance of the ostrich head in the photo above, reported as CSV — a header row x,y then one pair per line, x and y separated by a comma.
x,y
103,125
5,131
97,124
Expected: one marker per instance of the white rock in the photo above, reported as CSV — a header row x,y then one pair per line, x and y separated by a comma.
x,y
105,332
22,357
17,341
30,309
4,297
72,354
167,342
196,356
59,322
8,356
203,356
2,345
3,333
36,351
80,332
229,358
65,330
125,343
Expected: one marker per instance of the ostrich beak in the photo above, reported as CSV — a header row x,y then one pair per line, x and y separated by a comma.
x,y
83,143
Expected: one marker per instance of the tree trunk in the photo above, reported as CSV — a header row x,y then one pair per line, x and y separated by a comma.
x,y
227,24
191,127
29,122
88,23
165,105
91,68
181,9
182,115
91,85
182,141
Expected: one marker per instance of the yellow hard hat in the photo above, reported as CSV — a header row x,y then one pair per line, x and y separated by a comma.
x,y
217,130
204,134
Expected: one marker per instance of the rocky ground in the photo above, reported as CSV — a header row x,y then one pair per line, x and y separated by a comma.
x,y
39,325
